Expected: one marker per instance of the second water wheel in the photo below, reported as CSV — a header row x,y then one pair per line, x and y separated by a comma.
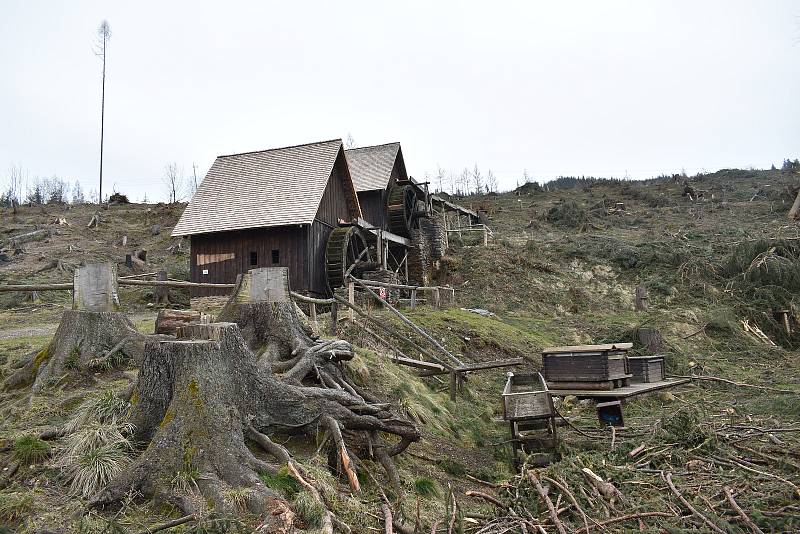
x,y
346,253
401,207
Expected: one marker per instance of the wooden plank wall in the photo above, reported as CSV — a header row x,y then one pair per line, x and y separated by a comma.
x,y
373,203
290,242
373,207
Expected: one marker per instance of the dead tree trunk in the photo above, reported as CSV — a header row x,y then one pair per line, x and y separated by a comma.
x,y
85,334
197,399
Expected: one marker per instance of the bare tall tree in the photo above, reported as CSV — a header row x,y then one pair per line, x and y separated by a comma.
x,y
14,193
440,178
192,186
491,182
464,180
103,35
477,180
173,178
350,142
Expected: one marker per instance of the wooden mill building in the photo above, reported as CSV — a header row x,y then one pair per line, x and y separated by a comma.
x,y
269,208
375,169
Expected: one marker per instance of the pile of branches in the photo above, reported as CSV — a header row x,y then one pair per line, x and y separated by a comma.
x,y
688,474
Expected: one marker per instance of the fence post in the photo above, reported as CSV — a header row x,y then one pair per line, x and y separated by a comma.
x,y
161,293
413,299
351,298
435,297
485,235
334,317
312,314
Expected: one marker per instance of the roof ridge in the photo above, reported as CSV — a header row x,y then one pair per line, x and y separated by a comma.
x,y
371,146
280,148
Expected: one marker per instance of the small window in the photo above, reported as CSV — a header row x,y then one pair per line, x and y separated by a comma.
x,y
276,257
253,257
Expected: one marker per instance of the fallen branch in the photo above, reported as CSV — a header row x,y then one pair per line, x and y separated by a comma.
x,y
745,518
668,478
550,508
564,490
738,384
626,518
169,524
488,498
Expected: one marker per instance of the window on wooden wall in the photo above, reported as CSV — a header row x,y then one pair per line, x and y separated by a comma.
x,y
253,257
276,257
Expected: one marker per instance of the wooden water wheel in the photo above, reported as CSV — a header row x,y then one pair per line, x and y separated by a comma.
x,y
401,206
347,252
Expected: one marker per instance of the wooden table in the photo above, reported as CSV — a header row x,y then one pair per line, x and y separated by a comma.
x,y
607,399
623,392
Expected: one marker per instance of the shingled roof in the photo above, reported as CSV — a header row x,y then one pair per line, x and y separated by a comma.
x,y
371,166
276,187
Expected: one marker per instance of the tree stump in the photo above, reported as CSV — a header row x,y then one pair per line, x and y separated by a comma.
x,y
88,336
640,298
652,339
161,293
198,397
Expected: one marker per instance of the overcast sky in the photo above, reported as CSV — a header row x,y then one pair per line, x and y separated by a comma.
x,y
557,88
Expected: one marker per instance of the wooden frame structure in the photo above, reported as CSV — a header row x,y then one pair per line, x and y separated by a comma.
x,y
528,408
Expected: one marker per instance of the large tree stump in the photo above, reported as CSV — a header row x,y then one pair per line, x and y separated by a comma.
x,y
198,396
90,335
197,399
652,340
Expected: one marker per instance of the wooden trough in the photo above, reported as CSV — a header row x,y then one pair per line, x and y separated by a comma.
x,y
593,367
528,408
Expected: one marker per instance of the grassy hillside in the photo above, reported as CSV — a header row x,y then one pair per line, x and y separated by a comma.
x,y
561,269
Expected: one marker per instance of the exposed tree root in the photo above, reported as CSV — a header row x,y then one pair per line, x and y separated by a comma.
x,y
196,400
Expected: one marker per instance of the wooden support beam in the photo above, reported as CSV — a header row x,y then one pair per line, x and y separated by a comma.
x,y
404,338
174,283
489,365
312,315
410,323
419,364
37,287
351,298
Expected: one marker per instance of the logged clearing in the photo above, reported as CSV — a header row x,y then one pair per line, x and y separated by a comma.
x,y
720,454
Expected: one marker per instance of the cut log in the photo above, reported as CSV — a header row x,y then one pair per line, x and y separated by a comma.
x,y
169,321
